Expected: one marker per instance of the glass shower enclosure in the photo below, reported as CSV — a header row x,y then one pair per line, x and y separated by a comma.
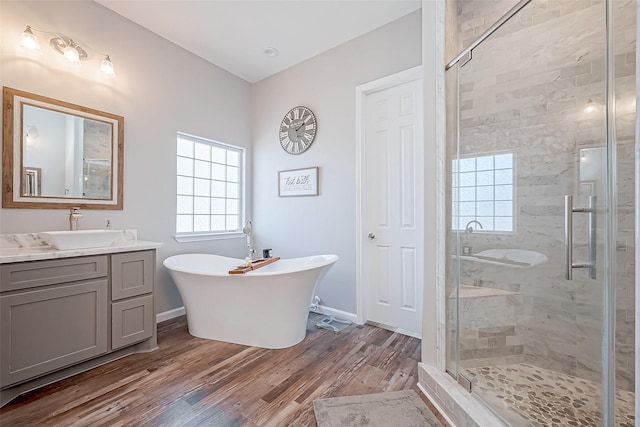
x,y
541,151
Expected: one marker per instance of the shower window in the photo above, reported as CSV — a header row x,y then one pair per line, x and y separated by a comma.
x,y
209,187
483,191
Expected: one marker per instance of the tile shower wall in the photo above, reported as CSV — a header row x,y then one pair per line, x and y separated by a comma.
x,y
526,91
496,333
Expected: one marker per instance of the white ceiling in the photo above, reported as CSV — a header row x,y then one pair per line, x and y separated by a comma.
x,y
234,33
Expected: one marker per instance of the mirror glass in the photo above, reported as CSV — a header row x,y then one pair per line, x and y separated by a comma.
x,y
60,154
81,145
592,173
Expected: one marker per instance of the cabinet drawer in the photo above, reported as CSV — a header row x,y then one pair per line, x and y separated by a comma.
x,y
47,329
132,274
132,321
26,275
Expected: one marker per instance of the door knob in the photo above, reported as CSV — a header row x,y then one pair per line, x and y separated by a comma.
x,y
371,236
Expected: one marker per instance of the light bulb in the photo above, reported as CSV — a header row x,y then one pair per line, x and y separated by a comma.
x,y
32,132
106,68
591,107
71,54
30,41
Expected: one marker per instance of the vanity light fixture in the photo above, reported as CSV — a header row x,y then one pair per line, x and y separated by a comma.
x,y
67,48
591,107
70,52
106,68
32,133
30,42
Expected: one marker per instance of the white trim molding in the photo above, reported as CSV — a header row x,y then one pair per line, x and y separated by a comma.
x,y
322,309
435,298
201,237
170,314
328,311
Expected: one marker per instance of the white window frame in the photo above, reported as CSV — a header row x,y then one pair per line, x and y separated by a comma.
x,y
456,197
211,234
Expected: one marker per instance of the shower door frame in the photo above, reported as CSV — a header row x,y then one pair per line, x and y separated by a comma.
x,y
609,304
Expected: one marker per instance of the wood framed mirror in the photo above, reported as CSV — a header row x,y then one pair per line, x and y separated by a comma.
x,y
60,155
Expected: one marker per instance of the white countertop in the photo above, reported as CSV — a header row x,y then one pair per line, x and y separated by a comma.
x,y
8,255
31,247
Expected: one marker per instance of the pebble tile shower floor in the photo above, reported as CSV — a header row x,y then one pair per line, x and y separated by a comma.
x,y
545,398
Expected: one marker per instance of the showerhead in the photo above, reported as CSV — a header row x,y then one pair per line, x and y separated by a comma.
x,y
248,226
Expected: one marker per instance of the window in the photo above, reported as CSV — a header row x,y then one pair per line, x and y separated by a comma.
x,y
210,191
483,192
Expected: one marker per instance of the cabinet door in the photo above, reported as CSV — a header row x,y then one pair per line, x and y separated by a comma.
x,y
132,321
23,275
47,329
132,274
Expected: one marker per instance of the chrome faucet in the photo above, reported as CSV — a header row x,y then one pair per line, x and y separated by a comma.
x,y
74,216
248,230
469,229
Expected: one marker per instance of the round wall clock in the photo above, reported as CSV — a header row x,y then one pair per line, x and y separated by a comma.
x,y
297,130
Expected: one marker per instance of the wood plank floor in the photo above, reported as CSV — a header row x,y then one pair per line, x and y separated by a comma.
x,y
196,382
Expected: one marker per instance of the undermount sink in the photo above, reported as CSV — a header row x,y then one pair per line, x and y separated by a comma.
x,y
80,239
509,257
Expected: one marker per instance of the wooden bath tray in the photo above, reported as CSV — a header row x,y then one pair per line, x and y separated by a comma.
x,y
259,263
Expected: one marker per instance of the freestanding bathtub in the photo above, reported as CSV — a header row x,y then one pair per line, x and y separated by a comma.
x,y
265,308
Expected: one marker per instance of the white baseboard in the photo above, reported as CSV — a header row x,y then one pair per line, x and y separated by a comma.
x,y
170,314
323,309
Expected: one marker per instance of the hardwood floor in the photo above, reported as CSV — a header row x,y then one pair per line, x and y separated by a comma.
x,y
196,382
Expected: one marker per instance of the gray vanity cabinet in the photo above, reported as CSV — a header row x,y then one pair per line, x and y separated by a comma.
x,y
132,312
60,317
132,274
44,328
132,321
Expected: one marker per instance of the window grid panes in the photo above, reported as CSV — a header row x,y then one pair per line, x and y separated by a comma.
x,y
209,186
483,191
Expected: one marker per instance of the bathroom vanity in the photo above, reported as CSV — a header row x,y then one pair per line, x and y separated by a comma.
x,y
64,312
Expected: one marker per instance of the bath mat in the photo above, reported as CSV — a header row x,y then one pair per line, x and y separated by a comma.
x,y
333,323
399,408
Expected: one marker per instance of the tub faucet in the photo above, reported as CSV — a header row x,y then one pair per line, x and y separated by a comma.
x,y
74,216
248,230
469,229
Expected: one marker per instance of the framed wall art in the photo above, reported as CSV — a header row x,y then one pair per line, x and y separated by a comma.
x,y
298,182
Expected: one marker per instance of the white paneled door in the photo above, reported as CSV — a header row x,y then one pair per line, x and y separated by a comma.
x,y
393,247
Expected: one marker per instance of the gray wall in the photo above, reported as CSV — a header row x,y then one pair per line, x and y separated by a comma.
x,y
160,89
299,226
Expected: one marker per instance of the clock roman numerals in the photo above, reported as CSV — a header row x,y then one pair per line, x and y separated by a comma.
x,y
297,130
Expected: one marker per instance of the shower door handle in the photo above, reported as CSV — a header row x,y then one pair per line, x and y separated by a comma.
x,y
569,209
568,237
